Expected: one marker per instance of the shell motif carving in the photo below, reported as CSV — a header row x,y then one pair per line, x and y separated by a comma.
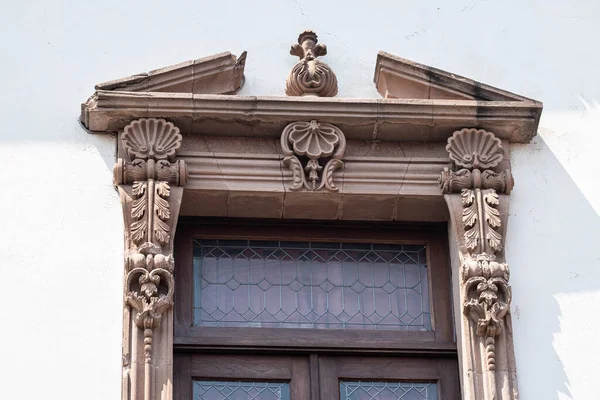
x,y
313,152
313,140
475,148
151,138
310,76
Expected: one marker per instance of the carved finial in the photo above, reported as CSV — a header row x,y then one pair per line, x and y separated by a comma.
x,y
310,76
320,146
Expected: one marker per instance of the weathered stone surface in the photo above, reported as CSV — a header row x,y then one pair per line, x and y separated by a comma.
x,y
478,218
310,76
150,182
404,120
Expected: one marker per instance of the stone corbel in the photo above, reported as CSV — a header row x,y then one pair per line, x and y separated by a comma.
x,y
313,151
476,192
150,183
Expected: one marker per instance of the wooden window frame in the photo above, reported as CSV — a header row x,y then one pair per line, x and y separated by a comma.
x,y
439,339
331,354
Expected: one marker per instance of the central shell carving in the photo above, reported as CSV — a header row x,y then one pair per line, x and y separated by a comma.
x,y
475,148
313,140
152,138
313,151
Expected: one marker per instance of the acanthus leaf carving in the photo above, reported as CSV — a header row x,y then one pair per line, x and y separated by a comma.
x,y
481,219
492,218
313,152
310,76
162,213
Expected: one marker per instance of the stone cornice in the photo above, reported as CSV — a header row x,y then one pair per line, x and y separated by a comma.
x,y
371,119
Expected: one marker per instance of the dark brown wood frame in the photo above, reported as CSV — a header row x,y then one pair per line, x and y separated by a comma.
x,y
441,339
429,356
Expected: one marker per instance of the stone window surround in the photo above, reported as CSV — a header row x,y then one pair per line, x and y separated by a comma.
x,y
187,147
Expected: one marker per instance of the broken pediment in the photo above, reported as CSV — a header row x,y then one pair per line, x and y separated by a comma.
x,y
399,78
221,73
420,104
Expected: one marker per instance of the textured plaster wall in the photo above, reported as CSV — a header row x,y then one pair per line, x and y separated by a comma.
x,y
61,222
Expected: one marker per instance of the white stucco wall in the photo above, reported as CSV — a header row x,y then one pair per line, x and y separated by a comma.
x,y
61,224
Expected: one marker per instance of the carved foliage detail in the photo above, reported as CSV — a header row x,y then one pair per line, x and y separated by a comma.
x,y
158,220
488,297
313,152
310,76
149,290
152,141
150,145
481,218
486,291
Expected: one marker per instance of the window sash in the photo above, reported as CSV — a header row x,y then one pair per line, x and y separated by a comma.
x,y
438,341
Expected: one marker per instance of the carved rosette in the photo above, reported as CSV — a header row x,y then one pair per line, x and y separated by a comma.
x,y
476,154
145,179
313,151
310,76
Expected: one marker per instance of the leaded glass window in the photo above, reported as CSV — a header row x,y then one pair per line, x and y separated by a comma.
x,y
297,310
241,283
387,391
239,390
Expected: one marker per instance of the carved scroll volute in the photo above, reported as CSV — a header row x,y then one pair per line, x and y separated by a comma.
x,y
150,182
310,76
476,193
313,151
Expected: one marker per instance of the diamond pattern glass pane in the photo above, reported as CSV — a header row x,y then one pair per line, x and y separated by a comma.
x,y
310,285
387,391
221,390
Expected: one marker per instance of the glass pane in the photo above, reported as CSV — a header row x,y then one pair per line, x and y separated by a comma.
x,y
387,391
220,390
310,285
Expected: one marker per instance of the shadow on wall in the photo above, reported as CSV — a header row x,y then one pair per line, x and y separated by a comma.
x,y
551,248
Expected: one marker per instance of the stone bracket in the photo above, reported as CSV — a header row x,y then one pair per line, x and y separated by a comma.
x,y
150,184
477,199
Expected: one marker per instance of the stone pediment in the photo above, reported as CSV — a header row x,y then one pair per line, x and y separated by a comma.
x,y
399,78
420,104
221,73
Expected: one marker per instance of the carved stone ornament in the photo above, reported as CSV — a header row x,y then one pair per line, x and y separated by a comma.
x,y
313,151
485,291
145,180
310,76
475,149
